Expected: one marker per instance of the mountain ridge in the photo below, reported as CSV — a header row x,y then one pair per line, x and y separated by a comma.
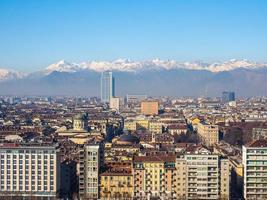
x,y
126,65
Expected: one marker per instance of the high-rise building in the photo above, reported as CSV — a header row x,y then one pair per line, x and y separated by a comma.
x,y
89,171
255,170
208,177
228,96
107,86
29,171
149,107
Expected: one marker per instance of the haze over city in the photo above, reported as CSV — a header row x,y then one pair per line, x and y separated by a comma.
x,y
133,100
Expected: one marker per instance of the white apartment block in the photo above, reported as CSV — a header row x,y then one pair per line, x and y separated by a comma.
x,y
29,171
89,172
255,170
208,177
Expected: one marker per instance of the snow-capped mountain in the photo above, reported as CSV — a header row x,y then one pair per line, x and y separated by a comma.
x,y
6,74
62,66
152,77
126,65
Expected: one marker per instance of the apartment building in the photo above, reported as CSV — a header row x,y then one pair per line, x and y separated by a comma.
x,y
153,176
208,133
89,171
254,157
117,181
155,126
29,171
208,177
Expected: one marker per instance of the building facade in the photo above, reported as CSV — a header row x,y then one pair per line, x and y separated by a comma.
x,y
89,171
107,86
117,182
208,177
208,133
228,96
149,107
29,171
153,177
114,103
254,156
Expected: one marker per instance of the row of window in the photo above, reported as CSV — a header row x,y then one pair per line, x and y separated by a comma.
x,y
27,188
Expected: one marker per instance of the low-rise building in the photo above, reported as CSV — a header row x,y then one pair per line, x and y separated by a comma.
x,y
208,133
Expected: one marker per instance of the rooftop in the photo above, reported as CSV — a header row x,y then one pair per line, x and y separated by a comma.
x,y
258,143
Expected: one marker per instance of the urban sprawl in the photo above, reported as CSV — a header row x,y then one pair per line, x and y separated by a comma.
x,y
133,147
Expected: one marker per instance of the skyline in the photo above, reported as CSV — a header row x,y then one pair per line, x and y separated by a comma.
x,y
50,31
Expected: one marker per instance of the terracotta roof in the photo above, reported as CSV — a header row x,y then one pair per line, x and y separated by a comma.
x,y
177,126
154,158
258,143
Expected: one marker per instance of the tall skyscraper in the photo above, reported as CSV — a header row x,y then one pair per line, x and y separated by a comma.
x,y
107,86
228,96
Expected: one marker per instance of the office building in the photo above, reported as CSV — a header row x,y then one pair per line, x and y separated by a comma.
x,y
29,171
254,157
228,96
89,171
107,86
149,107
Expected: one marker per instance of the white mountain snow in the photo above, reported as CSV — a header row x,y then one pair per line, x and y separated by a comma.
x,y
155,64
127,65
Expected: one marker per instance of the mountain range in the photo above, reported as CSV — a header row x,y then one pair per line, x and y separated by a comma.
x,y
153,77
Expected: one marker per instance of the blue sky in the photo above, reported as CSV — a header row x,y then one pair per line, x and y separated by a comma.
x,y
36,33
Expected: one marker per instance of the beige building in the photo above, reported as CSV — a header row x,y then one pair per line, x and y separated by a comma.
x,y
30,171
79,134
117,182
153,176
149,107
190,176
155,127
152,125
208,133
114,103
130,125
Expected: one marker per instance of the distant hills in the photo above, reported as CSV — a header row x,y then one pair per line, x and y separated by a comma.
x,y
155,77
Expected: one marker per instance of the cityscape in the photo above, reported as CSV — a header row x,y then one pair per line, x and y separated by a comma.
x,y
159,100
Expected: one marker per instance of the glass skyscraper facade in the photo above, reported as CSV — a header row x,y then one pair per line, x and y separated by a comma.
x,y
228,96
107,86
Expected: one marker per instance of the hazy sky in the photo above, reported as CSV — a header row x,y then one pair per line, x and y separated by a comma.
x,y
36,33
